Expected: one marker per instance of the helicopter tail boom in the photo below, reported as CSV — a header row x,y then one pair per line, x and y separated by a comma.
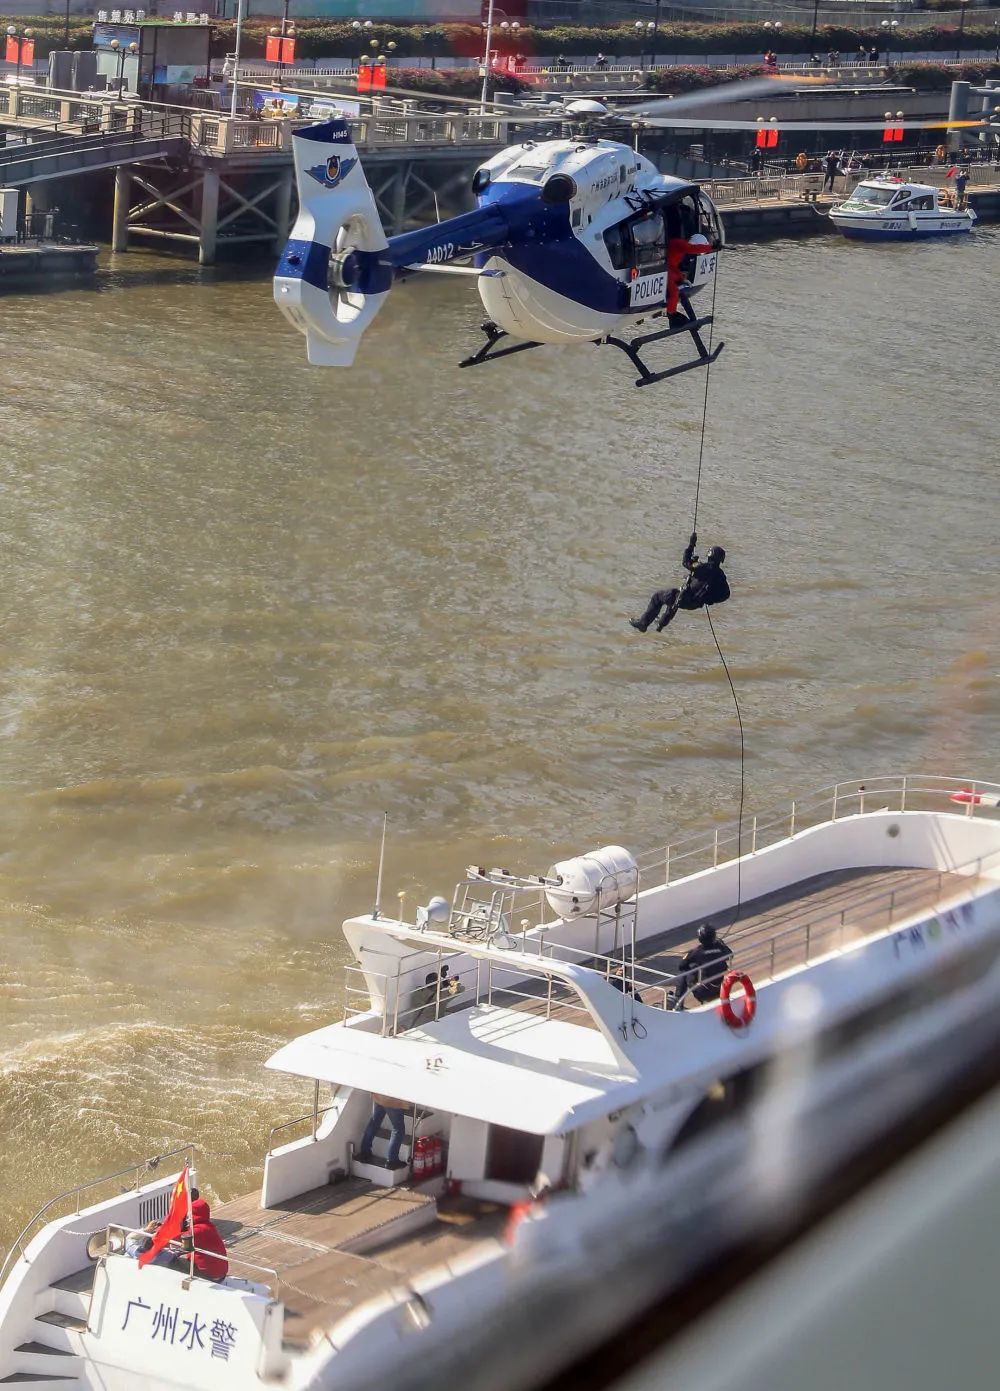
x,y
334,272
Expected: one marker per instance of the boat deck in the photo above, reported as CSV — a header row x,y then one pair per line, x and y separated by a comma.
x,y
337,1246
779,931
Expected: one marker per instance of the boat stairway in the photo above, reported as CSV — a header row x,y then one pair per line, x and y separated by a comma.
x,y
54,1355
377,1172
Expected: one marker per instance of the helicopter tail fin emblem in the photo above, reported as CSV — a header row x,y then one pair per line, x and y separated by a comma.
x,y
333,275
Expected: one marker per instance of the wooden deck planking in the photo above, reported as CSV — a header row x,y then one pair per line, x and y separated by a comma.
x,y
862,896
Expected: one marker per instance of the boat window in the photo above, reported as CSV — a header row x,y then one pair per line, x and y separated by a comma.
x,y
902,196
649,240
927,201
869,193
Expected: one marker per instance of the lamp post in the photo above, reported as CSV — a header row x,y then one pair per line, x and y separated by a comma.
x,y
488,42
645,30
121,53
510,30
996,39
240,5
812,35
286,30
889,27
963,5
20,40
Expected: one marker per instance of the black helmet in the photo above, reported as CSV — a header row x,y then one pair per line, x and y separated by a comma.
x,y
717,554
706,934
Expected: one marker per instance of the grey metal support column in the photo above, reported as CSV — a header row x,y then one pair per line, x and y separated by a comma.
x,y
208,231
958,110
119,224
283,210
399,190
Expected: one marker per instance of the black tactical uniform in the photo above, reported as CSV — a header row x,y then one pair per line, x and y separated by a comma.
x,y
704,966
707,584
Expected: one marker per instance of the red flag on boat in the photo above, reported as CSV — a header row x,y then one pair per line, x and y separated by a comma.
x,y
171,1226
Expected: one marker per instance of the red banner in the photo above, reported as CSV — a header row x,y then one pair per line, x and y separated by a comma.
x,y
364,77
378,76
892,135
10,53
279,50
27,52
767,138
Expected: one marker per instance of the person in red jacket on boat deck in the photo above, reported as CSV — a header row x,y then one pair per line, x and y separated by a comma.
x,y
209,1249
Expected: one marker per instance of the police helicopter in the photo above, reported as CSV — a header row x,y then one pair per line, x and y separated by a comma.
x,y
577,240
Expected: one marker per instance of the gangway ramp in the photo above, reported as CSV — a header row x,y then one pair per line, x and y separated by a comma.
x,y
64,155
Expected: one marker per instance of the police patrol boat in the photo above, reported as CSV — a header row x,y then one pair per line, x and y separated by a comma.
x,y
889,209
546,1054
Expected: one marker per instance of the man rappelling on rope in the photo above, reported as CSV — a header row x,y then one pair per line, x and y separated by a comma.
x,y
706,584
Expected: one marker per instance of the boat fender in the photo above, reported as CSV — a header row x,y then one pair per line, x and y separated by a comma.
x,y
737,1018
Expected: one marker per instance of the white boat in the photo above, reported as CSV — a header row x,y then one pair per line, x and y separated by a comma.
x,y
535,1090
888,209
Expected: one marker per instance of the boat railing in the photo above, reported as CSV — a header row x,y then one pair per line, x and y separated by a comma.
x,y
135,1174
791,948
311,1118
116,1238
708,849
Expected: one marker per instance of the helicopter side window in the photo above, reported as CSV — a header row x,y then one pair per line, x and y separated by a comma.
x,y
689,218
650,242
619,245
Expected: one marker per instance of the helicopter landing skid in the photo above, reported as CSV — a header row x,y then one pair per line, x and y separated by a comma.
x,y
631,346
493,336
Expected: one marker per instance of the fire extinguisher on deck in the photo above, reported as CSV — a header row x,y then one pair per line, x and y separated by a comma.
x,y
420,1159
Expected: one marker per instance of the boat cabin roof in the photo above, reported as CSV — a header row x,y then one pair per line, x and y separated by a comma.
x,y
900,190
490,1063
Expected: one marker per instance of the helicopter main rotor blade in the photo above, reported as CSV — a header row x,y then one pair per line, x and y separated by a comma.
x,y
707,123
722,91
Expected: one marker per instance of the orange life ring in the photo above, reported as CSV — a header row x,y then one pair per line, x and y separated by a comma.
x,y
745,1016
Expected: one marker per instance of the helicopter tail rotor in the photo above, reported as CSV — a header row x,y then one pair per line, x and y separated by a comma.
x,y
334,274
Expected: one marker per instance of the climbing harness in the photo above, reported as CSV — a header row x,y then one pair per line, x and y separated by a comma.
x,y
737,1019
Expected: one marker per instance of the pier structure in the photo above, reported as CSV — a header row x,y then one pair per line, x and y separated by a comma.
x,y
213,181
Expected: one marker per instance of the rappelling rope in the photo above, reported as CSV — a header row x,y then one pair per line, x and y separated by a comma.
x,y
739,824
704,406
708,612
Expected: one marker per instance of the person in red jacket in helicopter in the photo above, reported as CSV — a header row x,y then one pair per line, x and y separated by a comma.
x,y
678,249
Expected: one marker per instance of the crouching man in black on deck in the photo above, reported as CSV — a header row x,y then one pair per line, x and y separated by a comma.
x,y
706,584
702,969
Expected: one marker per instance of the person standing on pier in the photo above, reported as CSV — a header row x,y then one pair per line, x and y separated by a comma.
x,y
832,167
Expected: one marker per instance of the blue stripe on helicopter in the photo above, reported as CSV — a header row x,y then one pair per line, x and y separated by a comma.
x,y
305,260
332,132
